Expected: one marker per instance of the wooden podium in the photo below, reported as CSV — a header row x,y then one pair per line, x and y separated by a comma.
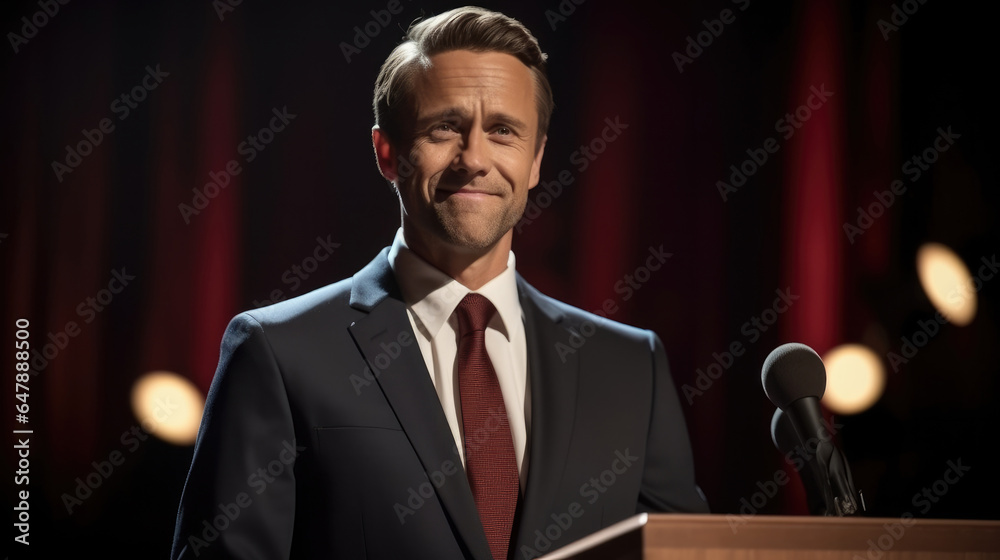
x,y
724,537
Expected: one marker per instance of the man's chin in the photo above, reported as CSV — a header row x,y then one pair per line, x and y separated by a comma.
x,y
473,238
473,243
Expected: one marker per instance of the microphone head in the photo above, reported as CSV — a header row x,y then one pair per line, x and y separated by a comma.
x,y
783,433
793,371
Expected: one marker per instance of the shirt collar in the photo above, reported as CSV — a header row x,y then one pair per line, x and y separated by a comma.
x,y
433,295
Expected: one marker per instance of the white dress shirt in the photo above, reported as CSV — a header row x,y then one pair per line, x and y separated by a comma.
x,y
431,298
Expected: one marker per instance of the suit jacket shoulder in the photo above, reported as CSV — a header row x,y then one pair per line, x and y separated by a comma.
x,y
580,318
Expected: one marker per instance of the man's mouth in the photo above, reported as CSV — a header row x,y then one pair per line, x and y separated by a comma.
x,y
464,192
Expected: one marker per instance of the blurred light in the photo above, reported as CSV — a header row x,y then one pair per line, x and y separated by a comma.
x,y
168,406
947,282
855,378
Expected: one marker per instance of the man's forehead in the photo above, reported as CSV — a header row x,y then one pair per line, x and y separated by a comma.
x,y
464,76
460,59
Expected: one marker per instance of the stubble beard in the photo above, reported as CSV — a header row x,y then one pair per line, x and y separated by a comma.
x,y
475,232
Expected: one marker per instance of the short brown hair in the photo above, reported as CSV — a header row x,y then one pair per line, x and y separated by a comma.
x,y
468,28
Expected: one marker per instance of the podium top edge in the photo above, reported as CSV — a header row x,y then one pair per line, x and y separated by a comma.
x,y
676,518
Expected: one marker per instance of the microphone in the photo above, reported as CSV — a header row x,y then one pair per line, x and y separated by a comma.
x,y
794,379
787,441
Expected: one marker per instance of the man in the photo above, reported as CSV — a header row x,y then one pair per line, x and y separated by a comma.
x,y
421,408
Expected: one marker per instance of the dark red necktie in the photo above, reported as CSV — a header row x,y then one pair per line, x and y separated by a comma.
x,y
490,462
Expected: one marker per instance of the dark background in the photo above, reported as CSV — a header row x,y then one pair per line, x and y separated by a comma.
x,y
655,185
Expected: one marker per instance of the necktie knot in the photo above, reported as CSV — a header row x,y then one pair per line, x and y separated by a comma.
x,y
474,313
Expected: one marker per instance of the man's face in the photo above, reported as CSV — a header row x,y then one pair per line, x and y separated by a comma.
x,y
473,150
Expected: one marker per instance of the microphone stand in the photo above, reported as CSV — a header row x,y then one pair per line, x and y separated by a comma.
x,y
829,487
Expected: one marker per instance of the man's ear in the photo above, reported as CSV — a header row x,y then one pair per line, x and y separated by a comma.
x,y
536,165
385,155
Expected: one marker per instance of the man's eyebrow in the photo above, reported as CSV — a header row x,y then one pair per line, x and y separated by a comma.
x,y
453,113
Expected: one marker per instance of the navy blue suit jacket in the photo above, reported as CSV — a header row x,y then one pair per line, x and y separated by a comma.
x,y
323,436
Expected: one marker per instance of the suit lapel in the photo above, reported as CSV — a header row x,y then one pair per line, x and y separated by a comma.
x,y
553,380
407,387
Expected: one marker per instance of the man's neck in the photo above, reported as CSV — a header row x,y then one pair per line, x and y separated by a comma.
x,y
471,268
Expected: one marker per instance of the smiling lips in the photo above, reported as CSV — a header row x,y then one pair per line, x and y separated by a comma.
x,y
467,191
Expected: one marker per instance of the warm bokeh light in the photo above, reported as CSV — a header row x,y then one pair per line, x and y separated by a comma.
x,y
947,282
168,406
855,378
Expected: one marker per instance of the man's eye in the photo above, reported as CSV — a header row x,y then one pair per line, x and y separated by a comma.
x,y
504,131
444,127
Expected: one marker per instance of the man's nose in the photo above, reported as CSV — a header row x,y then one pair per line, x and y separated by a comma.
x,y
473,155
